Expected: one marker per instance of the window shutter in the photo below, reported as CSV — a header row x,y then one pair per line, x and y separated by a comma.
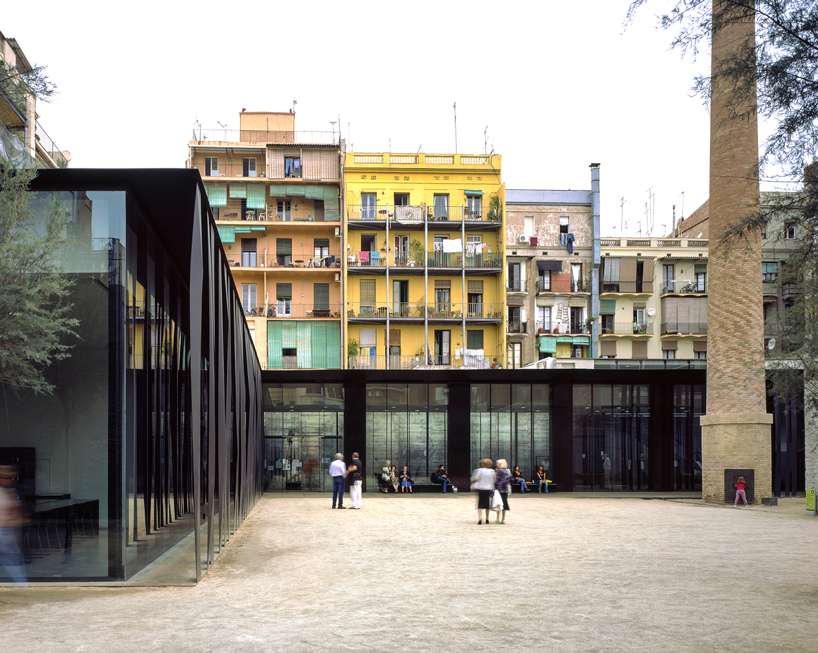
x,y
444,283
256,197
284,291
238,191
640,305
368,292
639,350
368,337
321,242
700,345
474,340
394,337
216,194
284,246
668,345
320,295
475,287
607,348
607,306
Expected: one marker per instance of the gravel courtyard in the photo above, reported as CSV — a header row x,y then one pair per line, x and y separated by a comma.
x,y
416,573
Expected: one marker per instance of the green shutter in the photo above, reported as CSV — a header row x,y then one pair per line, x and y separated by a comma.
x,y
216,194
582,340
321,296
700,268
238,191
284,246
330,194
274,360
548,345
304,345
289,335
284,291
227,234
296,191
255,197
565,339
332,331
474,340
474,193
314,193
607,306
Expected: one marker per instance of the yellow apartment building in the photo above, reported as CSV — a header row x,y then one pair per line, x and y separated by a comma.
x,y
275,195
424,260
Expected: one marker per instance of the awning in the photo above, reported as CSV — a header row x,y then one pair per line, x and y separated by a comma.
x,y
474,193
582,340
550,265
565,339
548,345
238,191
227,234
607,306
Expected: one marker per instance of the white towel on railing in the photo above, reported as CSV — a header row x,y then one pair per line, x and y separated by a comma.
x,y
473,357
452,246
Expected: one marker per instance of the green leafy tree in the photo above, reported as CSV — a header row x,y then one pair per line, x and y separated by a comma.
x,y
34,308
17,85
782,65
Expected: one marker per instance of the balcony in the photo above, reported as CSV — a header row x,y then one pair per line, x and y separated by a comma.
x,y
626,329
306,260
398,362
514,328
437,260
678,328
399,216
418,312
50,147
518,286
288,311
684,287
635,287
230,171
560,328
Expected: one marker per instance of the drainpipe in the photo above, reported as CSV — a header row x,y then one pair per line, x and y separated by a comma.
x,y
386,252
595,215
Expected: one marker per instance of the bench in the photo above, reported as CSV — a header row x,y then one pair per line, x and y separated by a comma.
x,y
532,486
417,486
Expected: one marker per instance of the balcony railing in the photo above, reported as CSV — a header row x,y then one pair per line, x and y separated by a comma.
x,y
683,287
288,310
417,214
644,287
260,215
265,137
420,311
627,328
520,285
560,328
416,259
232,170
399,362
684,327
50,146
517,327
303,259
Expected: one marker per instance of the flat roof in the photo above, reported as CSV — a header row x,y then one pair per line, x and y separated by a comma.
x,y
531,196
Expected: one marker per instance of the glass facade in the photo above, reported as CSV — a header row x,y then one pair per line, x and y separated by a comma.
x,y
688,407
511,421
407,424
611,437
156,410
303,430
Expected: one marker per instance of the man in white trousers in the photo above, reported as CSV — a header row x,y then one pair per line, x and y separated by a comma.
x,y
356,470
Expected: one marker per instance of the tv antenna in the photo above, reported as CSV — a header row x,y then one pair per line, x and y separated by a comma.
x,y
455,127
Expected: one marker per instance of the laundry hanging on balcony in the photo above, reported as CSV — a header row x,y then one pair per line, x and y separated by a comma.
x,y
452,246
569,243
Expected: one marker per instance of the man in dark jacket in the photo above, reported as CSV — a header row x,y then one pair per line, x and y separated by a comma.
x,y
356,470
440,477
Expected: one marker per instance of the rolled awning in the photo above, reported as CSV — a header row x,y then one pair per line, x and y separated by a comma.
x,y
550,265
548,345
474,193
582,340
607,306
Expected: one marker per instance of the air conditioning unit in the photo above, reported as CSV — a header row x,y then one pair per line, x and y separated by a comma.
x,y
337,277
337,232
522,239
533,241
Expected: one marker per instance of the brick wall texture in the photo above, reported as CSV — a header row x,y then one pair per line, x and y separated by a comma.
x,y
735,338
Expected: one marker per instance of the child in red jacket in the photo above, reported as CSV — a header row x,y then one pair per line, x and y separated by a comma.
x,y
741,483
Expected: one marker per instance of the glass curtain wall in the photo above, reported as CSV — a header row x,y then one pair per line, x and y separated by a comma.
x,y
611,426
303,430
688,407
406,424
511,421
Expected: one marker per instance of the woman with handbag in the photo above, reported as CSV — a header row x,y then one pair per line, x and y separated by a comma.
x,y
502,484
482,480
393,478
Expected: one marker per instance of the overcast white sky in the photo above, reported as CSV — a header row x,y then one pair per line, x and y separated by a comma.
x,y
558,83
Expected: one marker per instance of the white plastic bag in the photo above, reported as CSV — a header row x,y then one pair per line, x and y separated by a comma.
x,y
496,501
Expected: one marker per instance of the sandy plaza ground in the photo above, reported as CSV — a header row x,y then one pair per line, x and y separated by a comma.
x,y
416,573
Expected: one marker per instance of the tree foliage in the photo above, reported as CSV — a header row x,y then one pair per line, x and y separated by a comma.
x,y
783,66
34,293
17,86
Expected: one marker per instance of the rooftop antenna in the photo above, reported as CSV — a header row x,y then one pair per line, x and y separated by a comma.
x,y
349,138
622,203
294,103
486,141
332,122
683,204
419,146
455,127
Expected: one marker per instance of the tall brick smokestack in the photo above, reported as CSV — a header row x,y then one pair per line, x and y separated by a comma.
x,y
736,429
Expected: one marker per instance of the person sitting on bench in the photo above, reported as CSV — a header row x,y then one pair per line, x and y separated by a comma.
x,y
440,478
541,480
518,478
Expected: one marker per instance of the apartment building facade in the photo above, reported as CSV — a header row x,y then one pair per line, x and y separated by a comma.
x,y
550,260
653,298
23,139
424,261
275,195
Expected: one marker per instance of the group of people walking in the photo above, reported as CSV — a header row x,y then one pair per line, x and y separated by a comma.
x,y
487,481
